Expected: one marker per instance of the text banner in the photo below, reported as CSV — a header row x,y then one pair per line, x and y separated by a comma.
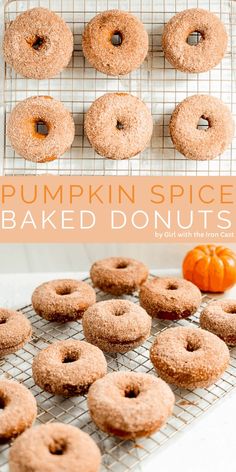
x,y
117,209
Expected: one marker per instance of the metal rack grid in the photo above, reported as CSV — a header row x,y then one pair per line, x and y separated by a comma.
x,y
156,82
118,455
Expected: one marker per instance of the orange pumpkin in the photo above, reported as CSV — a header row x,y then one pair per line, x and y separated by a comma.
x,y
212,268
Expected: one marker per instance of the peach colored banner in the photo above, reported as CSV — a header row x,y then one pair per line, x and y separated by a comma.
x,y
117,209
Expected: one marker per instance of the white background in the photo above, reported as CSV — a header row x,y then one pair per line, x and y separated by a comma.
x,y
79,257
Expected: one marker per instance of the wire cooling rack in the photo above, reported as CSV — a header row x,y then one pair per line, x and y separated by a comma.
x,y
118,455
156,82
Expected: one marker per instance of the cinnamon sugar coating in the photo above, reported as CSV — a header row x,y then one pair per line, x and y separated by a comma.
x,y
15,331
28,141
118,125
38,44
68,367
219,317
189,357
130,404
54,447
203,56
118,275
169,298
201,144
63,299
112,59
116,325
18,409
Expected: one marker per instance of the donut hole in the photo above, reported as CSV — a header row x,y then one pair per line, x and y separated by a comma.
x,y
116,39
203,123
120,311
172,286
63,291
38,43
132,392
195,38
41,128
119,125
121,265
2,403
231,311
58,448
191,346
70,357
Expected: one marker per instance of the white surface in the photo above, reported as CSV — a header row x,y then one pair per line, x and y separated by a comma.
x,y
208,444
79,257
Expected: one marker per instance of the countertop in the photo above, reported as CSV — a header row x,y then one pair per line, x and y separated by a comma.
x,y
208,444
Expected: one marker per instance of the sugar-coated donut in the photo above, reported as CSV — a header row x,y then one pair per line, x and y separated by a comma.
x,y
118,275
54,447
18,409
63,299
115,58
204,55
201,144
68,367
26,137
116,325
38,44
118,125
219,318
130,404
15,331
169,298
189,357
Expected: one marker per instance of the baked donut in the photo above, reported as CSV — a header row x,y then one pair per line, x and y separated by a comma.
x,y
130,405
68,367
18,409
116,325
118,275
54,447
115,42
40,129
201,144
33,44
189,357
169,298
204,55
118,125
63,299
15,331
219,318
